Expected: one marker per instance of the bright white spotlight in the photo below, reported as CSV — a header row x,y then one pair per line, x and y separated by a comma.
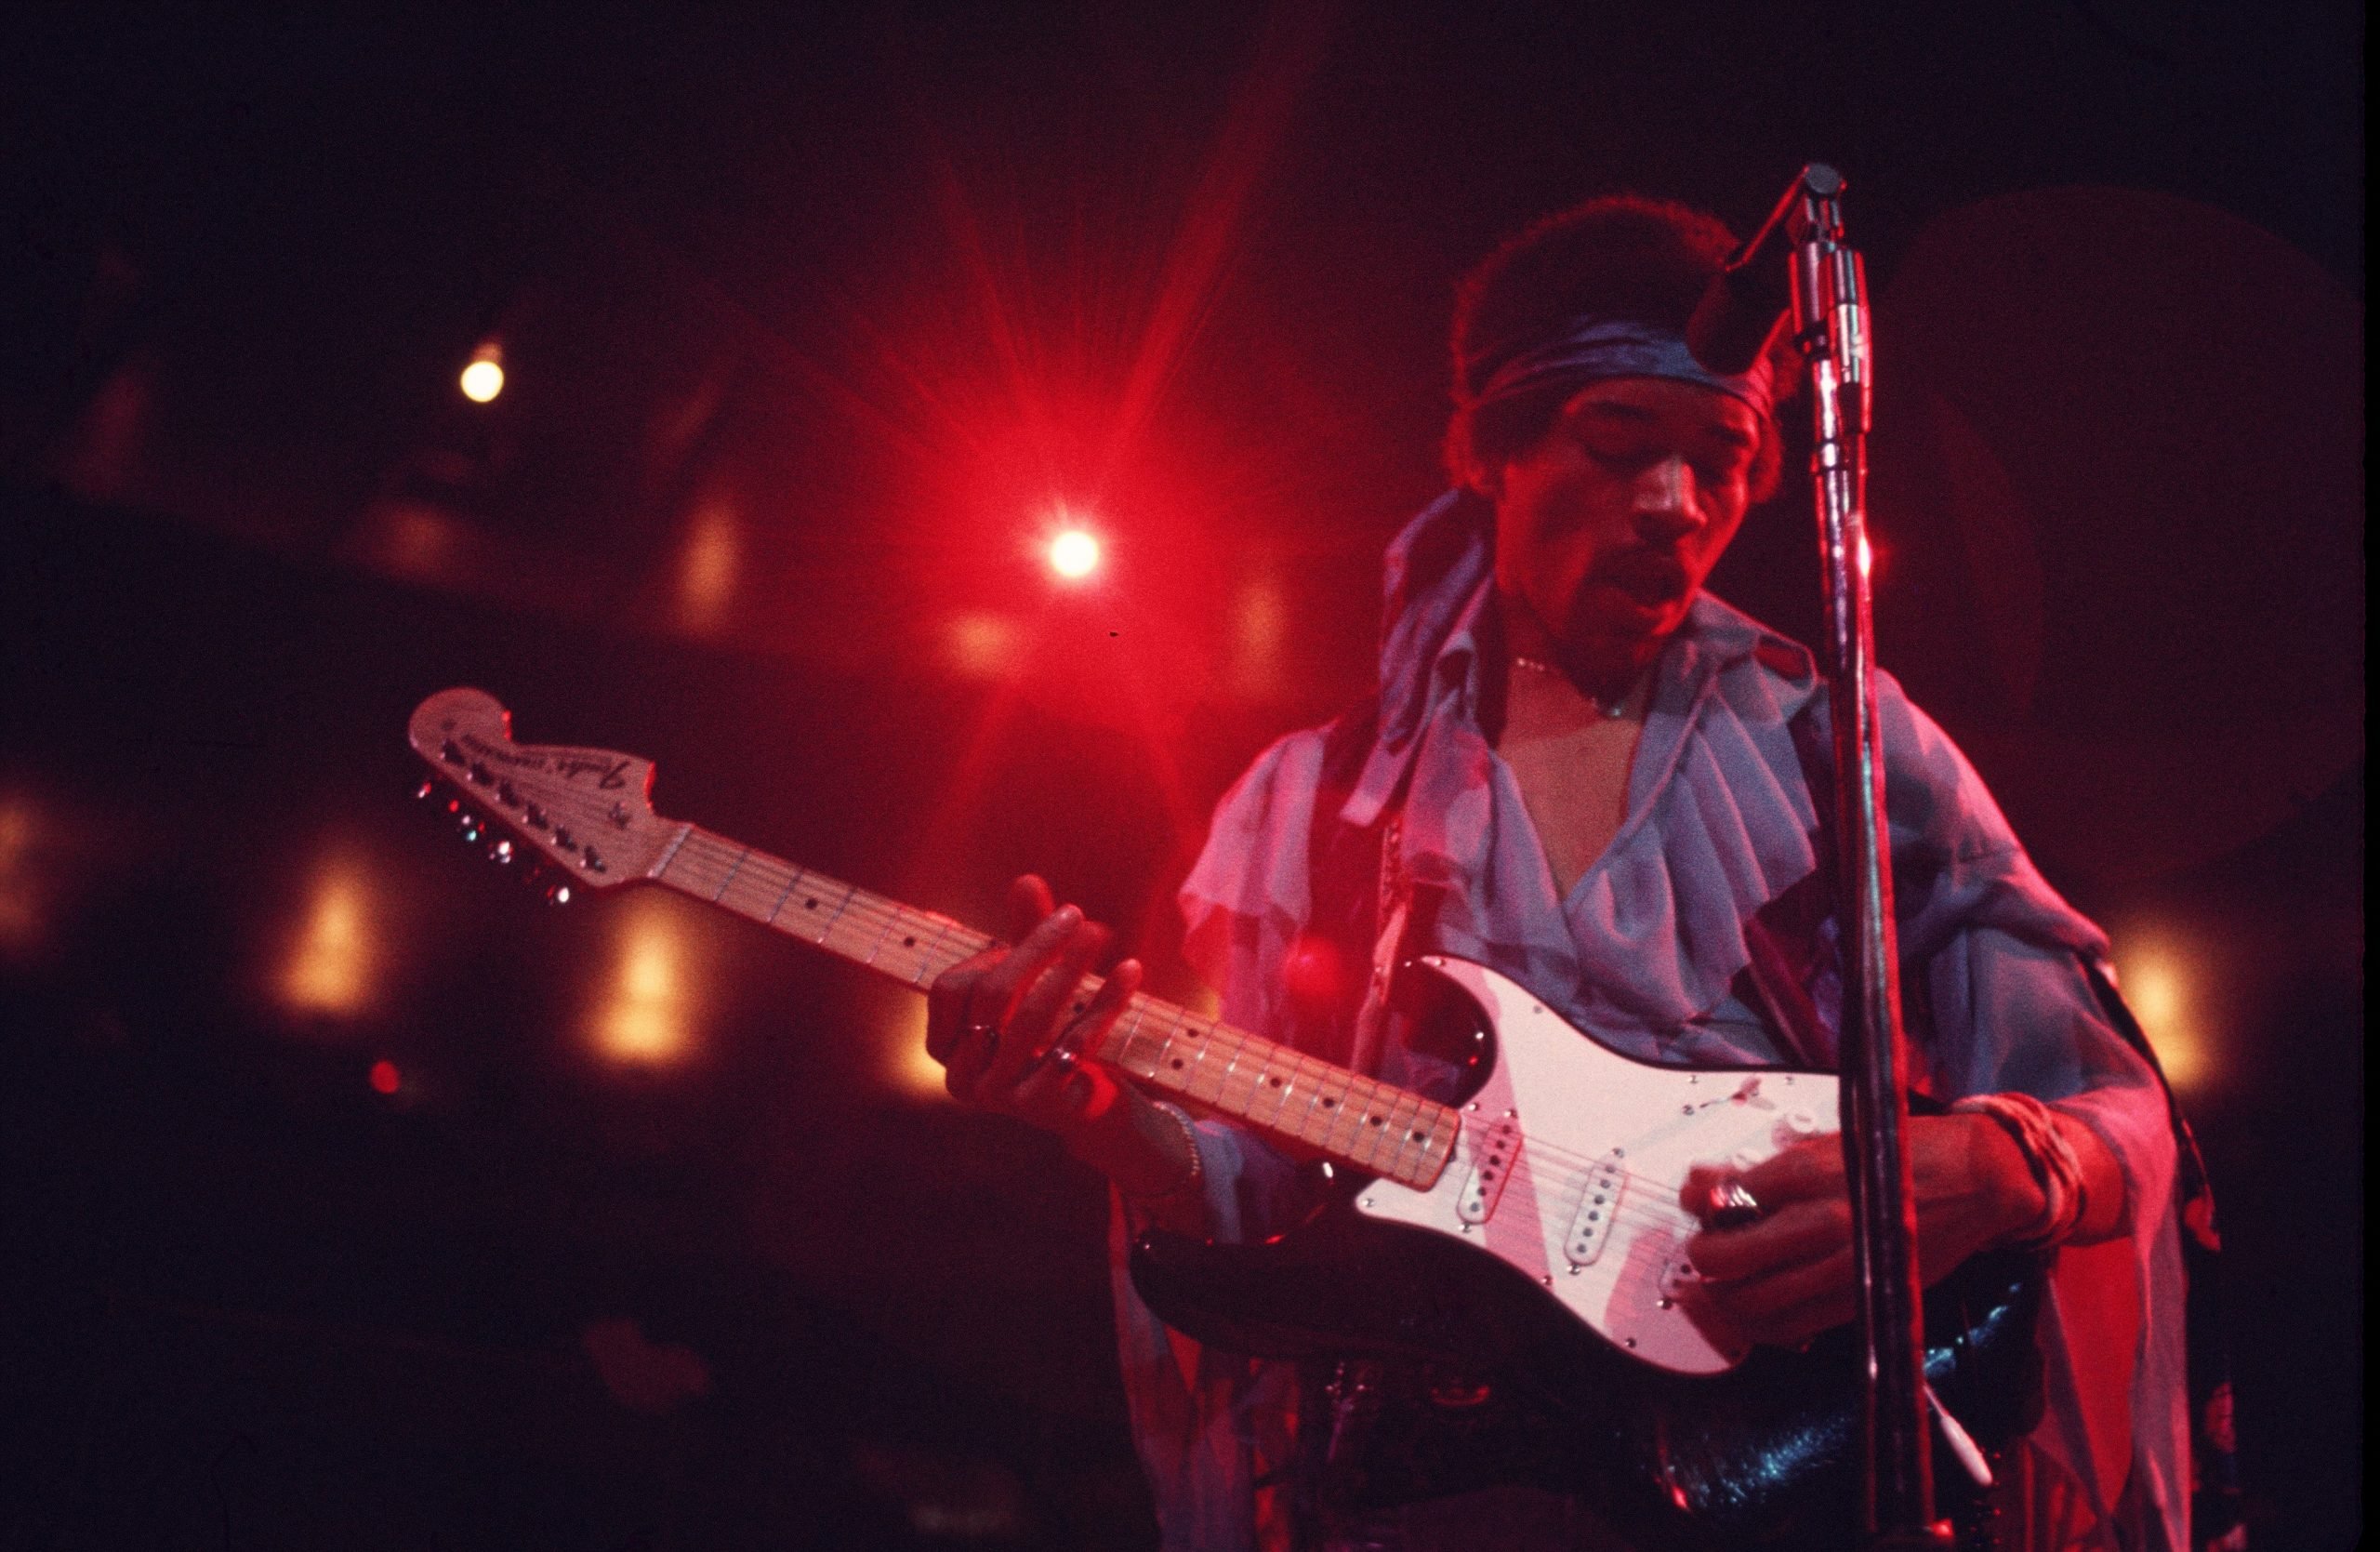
x,y
482,380
1073,554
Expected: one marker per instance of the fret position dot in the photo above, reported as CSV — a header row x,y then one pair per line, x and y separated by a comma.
x,y
909,943
811,904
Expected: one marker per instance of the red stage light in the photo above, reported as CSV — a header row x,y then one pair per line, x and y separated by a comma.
x,y
1073,554
385,1077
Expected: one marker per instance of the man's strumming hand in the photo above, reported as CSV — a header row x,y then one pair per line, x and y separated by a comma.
x,y
1787,1275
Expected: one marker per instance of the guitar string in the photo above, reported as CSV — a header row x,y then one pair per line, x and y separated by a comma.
x,y
866,911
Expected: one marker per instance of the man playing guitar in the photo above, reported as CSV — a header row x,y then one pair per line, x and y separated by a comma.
x,y
1582,770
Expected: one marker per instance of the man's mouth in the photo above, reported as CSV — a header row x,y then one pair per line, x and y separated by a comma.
x,y
1649,579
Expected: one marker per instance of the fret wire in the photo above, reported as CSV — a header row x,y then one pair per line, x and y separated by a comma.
x,y
1200,1036
925,960
732,869
851,892
791,879
891,918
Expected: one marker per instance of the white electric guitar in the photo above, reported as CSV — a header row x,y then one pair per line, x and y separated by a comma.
x,y
1533,1229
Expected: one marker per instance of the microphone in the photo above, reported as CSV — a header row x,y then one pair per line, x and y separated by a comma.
x,y
1750,300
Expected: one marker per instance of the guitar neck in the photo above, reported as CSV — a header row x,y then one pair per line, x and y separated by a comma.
x,y
1349,1119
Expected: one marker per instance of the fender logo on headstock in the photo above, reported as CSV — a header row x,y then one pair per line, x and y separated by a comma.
x,y
610,781
611,770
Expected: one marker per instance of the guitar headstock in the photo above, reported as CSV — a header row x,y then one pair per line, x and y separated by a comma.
x,y
585,811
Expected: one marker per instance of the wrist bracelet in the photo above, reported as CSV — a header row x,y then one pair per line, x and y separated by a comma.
x,y
2050,1158
1190,1182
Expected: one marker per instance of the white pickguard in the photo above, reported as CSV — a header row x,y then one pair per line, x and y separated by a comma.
x,y
1586,1115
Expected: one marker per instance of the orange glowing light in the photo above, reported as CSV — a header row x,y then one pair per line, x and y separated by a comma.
x,y
981,645
909,1070
1260,625
484,378
330,971
21,903
2160,983
648,1017
385,1077
707,568
1073,554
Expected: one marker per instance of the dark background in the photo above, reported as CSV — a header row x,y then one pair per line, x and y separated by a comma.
x,y
811,324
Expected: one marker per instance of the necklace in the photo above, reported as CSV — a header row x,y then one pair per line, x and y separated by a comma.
x,y
1612,709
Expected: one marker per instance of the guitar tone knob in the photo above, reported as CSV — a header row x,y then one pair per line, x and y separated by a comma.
x,y
1794,1125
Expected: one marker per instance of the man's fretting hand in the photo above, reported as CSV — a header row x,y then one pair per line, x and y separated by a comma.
x,y
993,1020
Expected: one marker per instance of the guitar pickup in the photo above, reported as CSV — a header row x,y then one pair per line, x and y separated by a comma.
x,y
1491,1170
1598,1205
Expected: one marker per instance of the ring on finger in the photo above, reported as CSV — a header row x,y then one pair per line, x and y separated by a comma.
x,y
986,1031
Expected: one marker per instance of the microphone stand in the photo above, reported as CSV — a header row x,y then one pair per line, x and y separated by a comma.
x,y
1830,324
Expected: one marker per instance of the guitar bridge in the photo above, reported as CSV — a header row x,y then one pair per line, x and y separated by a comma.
x,y
1491,1170
1598,1205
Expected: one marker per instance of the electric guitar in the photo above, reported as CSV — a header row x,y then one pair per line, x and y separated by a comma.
x,y
1529,1233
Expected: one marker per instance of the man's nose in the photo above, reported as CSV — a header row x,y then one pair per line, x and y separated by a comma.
x,y
1668,506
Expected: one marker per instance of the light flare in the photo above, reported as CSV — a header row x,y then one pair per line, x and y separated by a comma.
x,y
23,922
649,1015
1260,625
1073,554
2160,982
707,568
484,378
330,971
910,1072
983,645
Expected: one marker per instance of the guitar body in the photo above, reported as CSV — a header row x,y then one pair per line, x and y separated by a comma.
x,y
1582,1371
